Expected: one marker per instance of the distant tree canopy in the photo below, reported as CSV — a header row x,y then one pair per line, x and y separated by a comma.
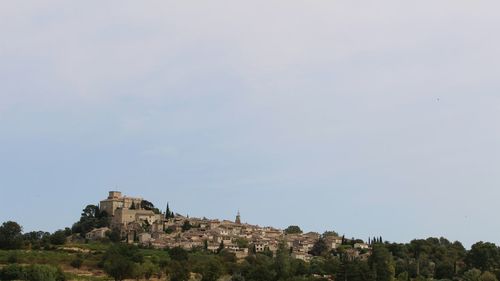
x,y
91,218
146,205
382,264
320,248
121,261
11,235
330,233
293,229
418,260
58,237
186,226
484,256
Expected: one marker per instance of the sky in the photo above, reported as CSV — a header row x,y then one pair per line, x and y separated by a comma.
x,y
370,118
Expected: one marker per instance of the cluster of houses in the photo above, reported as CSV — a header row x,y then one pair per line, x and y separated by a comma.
x,y
161,230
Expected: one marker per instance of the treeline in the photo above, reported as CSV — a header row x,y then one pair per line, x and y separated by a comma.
x,y
12,237
122,261
419,260
438,258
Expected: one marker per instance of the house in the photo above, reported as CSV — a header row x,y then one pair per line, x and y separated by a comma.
x,y
301,256
361,246
144,238
98,233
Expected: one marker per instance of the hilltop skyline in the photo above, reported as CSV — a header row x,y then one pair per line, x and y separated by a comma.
x,y
363,118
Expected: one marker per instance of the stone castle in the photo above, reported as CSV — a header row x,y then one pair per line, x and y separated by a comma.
x,y
128,210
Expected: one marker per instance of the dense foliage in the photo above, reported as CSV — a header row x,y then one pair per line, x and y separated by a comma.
x,y
91,218
293,229
419,260
34,272
12,238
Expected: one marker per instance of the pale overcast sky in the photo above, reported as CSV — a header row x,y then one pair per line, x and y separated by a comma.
x,y
365,117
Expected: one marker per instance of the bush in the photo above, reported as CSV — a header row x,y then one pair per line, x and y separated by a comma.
x,y
76,263
58,237
34,272
42,272
12,258
13,272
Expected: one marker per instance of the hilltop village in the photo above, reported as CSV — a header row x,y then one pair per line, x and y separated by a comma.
x,y
142,224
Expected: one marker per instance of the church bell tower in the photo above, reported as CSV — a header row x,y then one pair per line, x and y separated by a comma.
x,y
238,218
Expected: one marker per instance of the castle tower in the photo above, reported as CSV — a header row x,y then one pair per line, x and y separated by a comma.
x,y
238,218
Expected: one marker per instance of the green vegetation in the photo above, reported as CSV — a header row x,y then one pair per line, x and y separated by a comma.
x,y
168,213
146,205
91,218
42,256
293,229
34,272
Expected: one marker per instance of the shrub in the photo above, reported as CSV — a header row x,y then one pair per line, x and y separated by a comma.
x,y
42,272
13,258
13,272
36,272
76,263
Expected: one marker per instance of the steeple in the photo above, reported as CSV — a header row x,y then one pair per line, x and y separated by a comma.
x,y
238,218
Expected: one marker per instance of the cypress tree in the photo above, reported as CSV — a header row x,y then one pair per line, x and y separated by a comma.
x,y
221,246
167,212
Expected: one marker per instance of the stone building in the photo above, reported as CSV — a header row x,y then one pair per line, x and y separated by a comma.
x,y
124,216
125,211
98,233
116,201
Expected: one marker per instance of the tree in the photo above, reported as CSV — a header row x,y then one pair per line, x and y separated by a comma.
x,y
43,272
221,246
186,226
418,248
484,256
90,212
77,262
355,270
36,239
472,275
90,218
58,237
382,264
319,248
114,235
444,269
177,271
119,267
293,229
13,272
168,213
242,242
258,268
10,235
120,261
488,276
212,270
330,233
149,269
282,262
178,254
146,205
